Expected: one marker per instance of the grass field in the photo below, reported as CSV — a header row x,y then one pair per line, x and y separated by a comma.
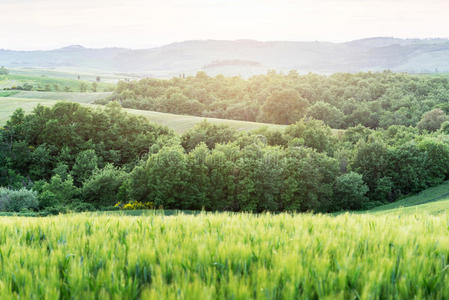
x,y
41,81
29,100
179,123
433,201
68,73
224,256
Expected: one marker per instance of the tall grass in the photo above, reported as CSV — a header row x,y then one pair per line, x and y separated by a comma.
x,y
232,256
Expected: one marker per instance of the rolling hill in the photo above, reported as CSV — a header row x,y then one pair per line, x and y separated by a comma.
x,y
374,54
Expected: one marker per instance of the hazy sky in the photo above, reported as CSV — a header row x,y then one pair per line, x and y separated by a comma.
x,y
46,24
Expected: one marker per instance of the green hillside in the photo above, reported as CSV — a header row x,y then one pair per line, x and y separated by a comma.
x,y
179,123
182,123
434,200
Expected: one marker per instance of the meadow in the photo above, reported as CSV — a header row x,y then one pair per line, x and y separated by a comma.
x,y
40,80
179,123
225,256
28,100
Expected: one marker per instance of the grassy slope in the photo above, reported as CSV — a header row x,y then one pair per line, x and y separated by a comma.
x,y
179,123
434,200
29,100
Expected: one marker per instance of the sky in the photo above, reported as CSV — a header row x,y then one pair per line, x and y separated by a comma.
x,y
49,24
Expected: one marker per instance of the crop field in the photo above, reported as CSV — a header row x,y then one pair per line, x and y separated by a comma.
x,y
232,256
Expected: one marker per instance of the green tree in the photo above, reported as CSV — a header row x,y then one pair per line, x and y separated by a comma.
x,y
350,191
432,120
284,107
102,188
208,133
327,113
58,192
86,163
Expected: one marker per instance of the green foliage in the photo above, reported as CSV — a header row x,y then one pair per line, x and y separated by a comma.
x,y
210,134
58,192
341,100
445,127
86,163
327,113
77,158
103,187
432,120
17,200
350,191
284,107
161,179
312,133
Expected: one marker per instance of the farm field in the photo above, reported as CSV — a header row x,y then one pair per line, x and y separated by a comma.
x,y
225,256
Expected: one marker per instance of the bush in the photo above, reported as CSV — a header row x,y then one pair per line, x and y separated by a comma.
x,y
350,191
432,120
58,192
135,205
102,188
16,201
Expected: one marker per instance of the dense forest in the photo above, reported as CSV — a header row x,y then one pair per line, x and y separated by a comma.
x,y
342,100
70,157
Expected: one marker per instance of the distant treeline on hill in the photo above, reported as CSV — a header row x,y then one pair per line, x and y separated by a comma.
x,y
374,100
70,157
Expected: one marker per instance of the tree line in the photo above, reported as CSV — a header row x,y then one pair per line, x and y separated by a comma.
x,y
70,157
342,100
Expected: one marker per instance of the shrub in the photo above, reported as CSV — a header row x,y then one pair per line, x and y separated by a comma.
x,y
134,205
58,192
102,188
432,120
85,164
350,191
16,201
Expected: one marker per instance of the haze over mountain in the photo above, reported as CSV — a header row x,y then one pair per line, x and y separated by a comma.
x,y
247,57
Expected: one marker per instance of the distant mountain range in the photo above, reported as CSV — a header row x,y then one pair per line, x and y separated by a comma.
x,y
247,57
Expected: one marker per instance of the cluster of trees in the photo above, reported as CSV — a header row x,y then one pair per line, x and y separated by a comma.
x,y
374,100
73,157
56,150
84,87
